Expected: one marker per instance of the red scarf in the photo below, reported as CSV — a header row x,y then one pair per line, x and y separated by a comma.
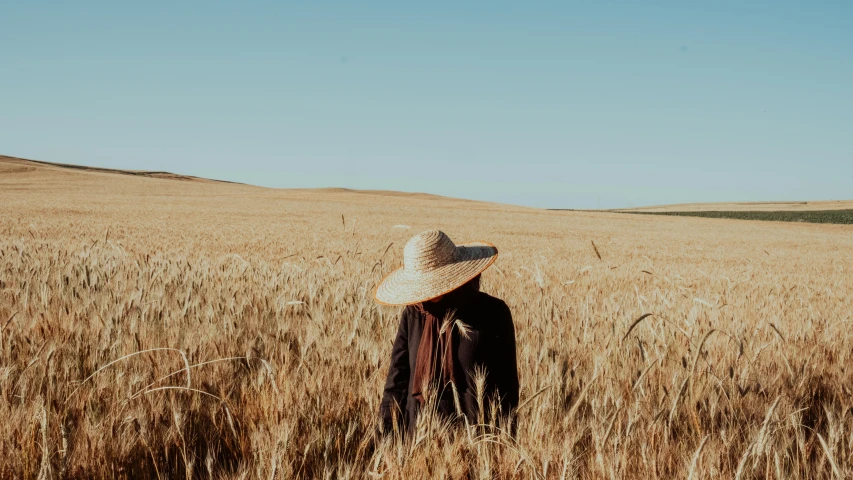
x,y
435,351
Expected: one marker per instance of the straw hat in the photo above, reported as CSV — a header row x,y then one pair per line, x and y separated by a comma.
x,y
432,266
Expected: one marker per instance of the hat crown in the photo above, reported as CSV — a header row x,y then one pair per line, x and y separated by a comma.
x,y
427,251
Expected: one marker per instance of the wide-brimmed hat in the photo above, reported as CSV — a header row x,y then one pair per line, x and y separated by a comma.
x,y
432,266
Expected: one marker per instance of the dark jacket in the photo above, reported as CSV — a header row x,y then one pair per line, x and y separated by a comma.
x,y
490,345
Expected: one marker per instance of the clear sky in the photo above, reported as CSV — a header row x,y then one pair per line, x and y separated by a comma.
x,y
559,104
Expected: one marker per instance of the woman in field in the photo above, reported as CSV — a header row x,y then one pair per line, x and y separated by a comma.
x,y
449,332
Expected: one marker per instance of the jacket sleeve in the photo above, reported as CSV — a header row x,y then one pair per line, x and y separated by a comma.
x,y
394,398
506,363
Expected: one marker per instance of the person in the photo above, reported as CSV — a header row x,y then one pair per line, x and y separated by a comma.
x,y
449,332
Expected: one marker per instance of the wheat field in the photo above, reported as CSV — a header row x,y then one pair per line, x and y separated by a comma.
x,y
176,327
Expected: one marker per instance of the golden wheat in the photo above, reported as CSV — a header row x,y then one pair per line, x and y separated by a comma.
x,y
168,328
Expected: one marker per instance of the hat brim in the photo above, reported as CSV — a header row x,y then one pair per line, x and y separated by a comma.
x,y
401,288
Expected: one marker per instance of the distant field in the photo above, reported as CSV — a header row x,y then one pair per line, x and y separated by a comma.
x,y
844,217
747,207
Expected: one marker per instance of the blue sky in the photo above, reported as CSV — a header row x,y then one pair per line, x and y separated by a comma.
x,y
558,104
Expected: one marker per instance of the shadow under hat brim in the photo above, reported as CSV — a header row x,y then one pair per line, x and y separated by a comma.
x,y
400,288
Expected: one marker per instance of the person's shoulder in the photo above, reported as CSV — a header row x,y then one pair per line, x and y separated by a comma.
x,y
409,317
493,303
499,314
410,311
408,308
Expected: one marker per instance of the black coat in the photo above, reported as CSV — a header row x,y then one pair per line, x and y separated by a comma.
x,y
490,345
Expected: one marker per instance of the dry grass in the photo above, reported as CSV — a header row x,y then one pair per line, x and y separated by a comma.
x,y
246,343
